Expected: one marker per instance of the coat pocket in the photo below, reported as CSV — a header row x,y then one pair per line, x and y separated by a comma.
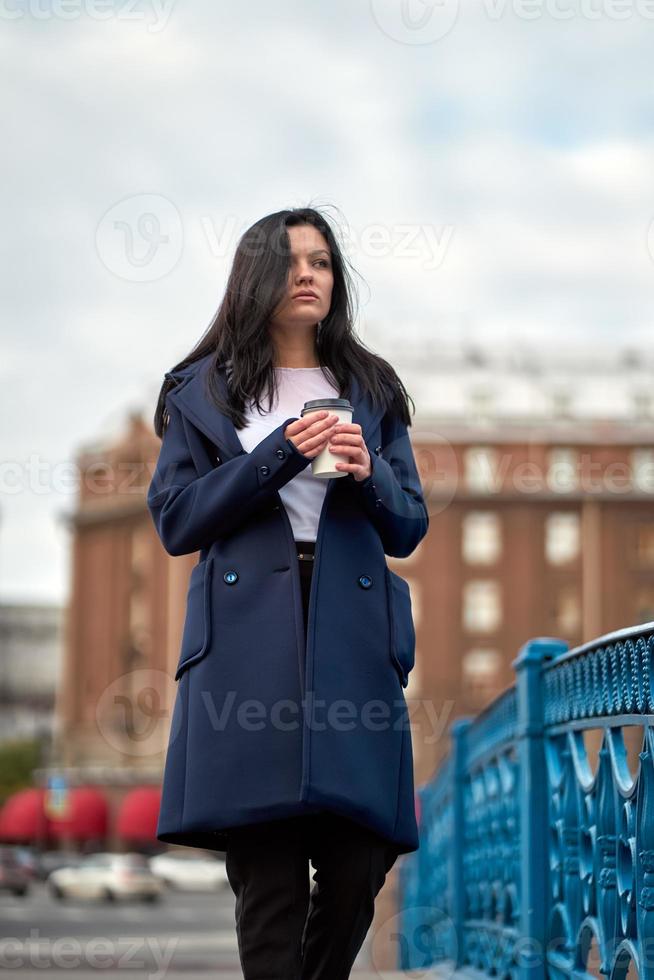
x,y
403,635
197,623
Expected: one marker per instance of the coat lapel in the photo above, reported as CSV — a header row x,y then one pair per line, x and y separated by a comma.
x,y
190,399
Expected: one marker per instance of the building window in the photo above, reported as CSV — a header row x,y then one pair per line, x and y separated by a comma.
x,y
481,537
562,469
645,545
561,401
567,612
642,470
644,611
562,537
481,402
642,401
481,668
481,605
480,468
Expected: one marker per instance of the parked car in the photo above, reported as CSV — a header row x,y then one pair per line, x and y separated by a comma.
x,y
28,857
108,877
53,860
190,872
14,876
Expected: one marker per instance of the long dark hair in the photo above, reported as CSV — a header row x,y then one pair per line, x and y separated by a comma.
x,y
238,336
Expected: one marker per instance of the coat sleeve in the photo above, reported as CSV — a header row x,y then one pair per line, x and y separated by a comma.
x,y
392,495
191,511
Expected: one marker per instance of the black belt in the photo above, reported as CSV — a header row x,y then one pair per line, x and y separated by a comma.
x,y
305,550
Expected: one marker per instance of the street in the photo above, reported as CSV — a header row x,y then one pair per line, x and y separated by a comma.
x,y
182,934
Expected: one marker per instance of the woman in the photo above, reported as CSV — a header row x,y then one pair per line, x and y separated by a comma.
x,y
290,736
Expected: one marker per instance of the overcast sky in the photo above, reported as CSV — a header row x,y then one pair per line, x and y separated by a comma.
x,y
490,165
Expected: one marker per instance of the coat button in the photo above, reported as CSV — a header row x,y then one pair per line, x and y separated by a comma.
x,y
265,470
280,453
230,577
377,450
365,581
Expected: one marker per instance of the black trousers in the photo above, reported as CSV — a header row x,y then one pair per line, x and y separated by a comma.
x,y
287,930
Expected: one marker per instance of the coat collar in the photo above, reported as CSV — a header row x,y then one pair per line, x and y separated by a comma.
x,y
189,397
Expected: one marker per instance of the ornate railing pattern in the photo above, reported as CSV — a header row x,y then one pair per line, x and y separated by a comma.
x,y
536,853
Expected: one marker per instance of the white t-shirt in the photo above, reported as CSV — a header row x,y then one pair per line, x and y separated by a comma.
x,y
303,495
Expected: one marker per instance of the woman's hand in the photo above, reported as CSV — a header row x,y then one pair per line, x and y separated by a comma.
x,y
347,439
309,434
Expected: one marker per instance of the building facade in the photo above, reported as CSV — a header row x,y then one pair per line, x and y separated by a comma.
x,y
31,640
539,471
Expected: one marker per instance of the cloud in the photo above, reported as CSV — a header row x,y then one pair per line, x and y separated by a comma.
x,y
507,167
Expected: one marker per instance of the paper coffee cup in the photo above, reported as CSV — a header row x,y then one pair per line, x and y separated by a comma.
x,y
323,464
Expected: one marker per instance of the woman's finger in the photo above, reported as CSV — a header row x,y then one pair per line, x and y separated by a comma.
x,y
307,432
316,421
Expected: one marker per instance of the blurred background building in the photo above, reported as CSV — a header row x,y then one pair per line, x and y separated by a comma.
x,y
539,467
31,639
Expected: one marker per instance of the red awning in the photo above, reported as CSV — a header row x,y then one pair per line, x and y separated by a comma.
x,y
22,817
86,818
138,814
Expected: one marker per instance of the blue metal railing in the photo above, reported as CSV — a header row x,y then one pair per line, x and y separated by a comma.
x,y
533,862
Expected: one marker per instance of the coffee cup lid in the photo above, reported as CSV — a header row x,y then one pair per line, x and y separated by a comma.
x,y
316,403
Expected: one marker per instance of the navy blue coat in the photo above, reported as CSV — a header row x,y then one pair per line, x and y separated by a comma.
x,y
254,734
